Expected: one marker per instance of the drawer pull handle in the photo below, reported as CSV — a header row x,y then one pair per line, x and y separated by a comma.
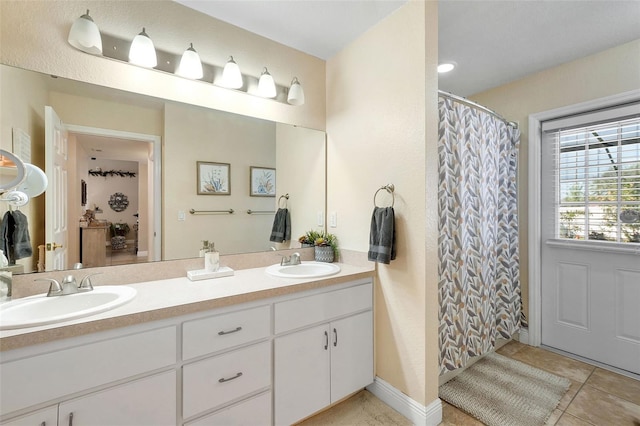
x,y
222,333
335,341
326,340
230,378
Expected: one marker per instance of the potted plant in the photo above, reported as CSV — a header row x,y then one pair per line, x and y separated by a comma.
x,y
309,238
326,247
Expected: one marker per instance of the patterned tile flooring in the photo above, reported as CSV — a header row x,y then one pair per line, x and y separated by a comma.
x,y
596,397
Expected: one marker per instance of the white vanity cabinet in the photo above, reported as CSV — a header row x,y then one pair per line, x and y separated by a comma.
x,y
276,359
321,364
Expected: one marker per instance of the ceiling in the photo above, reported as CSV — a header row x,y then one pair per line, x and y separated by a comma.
x,y
492,42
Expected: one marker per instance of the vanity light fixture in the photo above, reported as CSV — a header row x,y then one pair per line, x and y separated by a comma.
x,y
266,85
446,67
85,35
296,94
142,52
190,65
231,75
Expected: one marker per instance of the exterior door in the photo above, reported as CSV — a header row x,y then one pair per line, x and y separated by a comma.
x,y
589,249
56,204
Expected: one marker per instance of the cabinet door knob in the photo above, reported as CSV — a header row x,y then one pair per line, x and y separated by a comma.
x,y
222,333
335,340
230,378
326,340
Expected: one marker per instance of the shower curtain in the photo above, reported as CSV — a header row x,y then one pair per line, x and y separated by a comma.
x,y
479,283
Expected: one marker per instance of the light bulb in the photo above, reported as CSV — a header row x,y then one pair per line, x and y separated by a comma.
x,y
231,75
142,51
266,85
190,65
296,94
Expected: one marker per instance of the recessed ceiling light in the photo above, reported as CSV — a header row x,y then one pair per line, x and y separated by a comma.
x,y
446,67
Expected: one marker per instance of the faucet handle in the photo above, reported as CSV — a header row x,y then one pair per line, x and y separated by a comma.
x,y
295,259
85,283
55,289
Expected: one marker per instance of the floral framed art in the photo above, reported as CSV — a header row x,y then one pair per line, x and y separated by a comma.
x,y
214,178
262,181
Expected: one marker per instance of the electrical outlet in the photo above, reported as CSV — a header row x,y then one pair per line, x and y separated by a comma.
x,y
333,219
181,216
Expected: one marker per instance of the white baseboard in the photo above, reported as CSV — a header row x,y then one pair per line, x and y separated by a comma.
x,y
417,413
524,336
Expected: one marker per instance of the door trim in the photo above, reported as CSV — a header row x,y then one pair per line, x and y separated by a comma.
x,y
534,187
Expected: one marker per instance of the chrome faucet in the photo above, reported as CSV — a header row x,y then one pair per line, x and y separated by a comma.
x,y
69,285
294,259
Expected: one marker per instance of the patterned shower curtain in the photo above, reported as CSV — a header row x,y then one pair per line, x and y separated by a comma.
x,y
479,281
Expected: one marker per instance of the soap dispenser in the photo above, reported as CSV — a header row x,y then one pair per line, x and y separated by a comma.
x,y
205,248
212,258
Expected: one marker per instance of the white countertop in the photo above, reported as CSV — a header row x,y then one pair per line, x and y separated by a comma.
x,y
178,296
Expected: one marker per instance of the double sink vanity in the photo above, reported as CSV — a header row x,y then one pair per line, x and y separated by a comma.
x,y
269,345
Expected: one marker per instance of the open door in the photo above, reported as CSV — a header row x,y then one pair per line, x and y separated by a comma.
x,y
56,206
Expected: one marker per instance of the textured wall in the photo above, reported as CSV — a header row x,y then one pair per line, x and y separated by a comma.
x,y
382,128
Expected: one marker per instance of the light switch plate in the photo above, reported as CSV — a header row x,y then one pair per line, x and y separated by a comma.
x,y
181,216
333,219
320,219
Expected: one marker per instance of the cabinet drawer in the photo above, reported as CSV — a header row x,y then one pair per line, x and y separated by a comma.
x,y
208,335
41,378
255,411
309,310
215,381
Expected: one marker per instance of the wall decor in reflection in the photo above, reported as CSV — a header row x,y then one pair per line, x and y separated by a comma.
x,y
118,202
262,181
214,178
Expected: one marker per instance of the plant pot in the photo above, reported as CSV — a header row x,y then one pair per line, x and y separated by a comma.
x,y
324,254
303,245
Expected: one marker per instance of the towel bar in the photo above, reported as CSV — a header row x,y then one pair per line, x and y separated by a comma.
x,y
260,211
192,211
390,188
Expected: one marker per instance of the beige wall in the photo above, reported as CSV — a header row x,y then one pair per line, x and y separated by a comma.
x,y
22,102
382,126
34,36
197,134
610,72
300,155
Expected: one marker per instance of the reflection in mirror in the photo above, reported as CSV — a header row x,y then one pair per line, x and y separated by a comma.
x,y
12,171
147,149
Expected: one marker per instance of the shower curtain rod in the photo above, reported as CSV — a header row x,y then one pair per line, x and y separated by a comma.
x,y
478,106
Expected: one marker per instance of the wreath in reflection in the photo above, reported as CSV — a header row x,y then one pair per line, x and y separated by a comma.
x,y
118,202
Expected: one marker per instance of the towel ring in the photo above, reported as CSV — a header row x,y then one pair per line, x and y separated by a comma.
x,y
390,189
286,197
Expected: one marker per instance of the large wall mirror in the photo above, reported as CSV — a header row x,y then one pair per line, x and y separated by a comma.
x,y
144,156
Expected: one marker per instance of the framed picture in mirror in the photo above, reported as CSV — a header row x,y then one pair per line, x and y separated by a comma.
x,y
213,178
262,181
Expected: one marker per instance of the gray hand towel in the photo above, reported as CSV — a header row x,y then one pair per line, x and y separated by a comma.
x,y
382,237
21,240
281,230
6,235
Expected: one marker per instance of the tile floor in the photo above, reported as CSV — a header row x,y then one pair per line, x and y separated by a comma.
x,y
596,397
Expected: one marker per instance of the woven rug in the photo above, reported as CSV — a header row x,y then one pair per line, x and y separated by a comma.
x,y
501,391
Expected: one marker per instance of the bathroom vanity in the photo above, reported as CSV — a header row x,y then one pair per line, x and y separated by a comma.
x,y
249,349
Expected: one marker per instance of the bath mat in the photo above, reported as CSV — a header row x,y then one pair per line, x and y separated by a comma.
x,y
501,391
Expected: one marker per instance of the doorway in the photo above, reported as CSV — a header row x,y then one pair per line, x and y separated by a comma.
x,y
87,145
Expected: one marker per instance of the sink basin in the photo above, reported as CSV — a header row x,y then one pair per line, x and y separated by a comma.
x,y
304,270
41,310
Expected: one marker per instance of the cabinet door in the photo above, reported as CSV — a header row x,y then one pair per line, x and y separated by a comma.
x,y
351,354
146,402
301,381
44,417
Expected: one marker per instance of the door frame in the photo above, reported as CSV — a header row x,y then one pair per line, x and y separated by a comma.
x,y
534,187
157,173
